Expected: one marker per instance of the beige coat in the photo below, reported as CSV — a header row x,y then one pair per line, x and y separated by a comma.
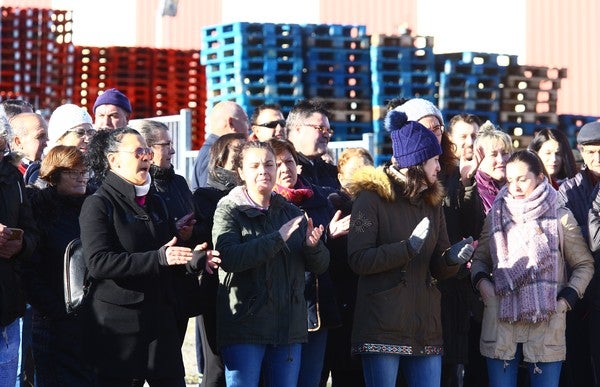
x,y
543,341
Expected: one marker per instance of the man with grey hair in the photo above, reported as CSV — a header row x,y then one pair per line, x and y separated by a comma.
x,y
225,117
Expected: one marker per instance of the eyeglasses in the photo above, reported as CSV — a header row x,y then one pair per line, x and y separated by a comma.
x,y
167,144
322,129
140,152
84,132
273,124
75,174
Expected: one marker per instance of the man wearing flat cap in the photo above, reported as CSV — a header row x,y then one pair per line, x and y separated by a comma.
x,y
580,195
112,110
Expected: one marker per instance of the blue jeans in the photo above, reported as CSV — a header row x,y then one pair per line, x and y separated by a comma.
x,y
381,370
504,373
10,339
25,367
280,364
313,355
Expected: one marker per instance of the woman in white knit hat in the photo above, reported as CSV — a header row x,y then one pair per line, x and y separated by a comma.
x,y
70,125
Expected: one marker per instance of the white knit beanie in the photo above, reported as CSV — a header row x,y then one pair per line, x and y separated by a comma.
x,y
417,108
63,119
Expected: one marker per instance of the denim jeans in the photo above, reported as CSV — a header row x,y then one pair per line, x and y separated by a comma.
x,y
504,373
280,364
10,339
381,370
313,355
26,371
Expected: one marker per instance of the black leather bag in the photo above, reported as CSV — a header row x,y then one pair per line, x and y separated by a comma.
x,y
76,281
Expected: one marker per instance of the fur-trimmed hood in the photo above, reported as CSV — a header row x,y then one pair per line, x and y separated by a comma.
x,y
388,183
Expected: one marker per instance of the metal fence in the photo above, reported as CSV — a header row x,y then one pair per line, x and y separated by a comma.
x,y
181,134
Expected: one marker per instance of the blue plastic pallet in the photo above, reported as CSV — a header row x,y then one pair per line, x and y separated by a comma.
x,y
337,80
469,93
245,28
406,66
348,131
381,93
483,58
292,65
296,91
347,30
469,104
255,41
338,42
462,80
450,67
339,68
248,53
395,78
358,92
251,77
249,102
325,55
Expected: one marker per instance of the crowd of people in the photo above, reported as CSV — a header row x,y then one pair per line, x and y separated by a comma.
x,y
460,262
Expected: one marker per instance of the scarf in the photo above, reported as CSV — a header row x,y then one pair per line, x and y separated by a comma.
x,y
524,248
295,195
487,188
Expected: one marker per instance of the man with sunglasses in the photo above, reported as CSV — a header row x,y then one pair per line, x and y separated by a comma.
x,y
267,123
225,117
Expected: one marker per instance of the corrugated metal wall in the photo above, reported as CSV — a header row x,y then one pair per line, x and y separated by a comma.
x,y
181,32
567,34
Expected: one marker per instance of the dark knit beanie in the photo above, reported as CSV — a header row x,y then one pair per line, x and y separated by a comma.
x,y
113,97
412,143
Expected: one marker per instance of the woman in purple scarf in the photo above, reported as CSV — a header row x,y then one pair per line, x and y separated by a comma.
x,y
492,149
519,269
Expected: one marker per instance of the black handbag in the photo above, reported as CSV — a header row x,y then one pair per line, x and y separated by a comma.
x,y
76,280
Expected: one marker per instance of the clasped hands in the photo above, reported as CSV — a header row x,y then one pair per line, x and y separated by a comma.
x,y
181,255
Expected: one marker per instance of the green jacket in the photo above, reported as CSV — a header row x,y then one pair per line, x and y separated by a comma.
x,y
261,281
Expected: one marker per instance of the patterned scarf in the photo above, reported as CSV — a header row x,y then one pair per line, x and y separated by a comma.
x,y
295,195
524,248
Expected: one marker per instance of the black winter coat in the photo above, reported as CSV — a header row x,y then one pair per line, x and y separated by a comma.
x,y
57,218
15,211
132,322
176,194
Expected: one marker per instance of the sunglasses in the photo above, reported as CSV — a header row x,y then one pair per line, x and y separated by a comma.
x,y
140,152
75,174
273,124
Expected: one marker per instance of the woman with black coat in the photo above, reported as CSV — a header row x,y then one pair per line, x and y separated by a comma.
x,y
56,336
128,243
176,194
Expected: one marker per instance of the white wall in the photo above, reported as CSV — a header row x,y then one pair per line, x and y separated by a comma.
x,y
271,11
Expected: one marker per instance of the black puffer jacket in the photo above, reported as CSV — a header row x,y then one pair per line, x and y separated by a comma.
x,y
15,211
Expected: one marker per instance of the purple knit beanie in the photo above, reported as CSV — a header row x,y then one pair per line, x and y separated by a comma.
x,y
113,97
412,143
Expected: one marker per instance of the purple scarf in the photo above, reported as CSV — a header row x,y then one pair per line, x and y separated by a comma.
x,y
524,248
487,188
